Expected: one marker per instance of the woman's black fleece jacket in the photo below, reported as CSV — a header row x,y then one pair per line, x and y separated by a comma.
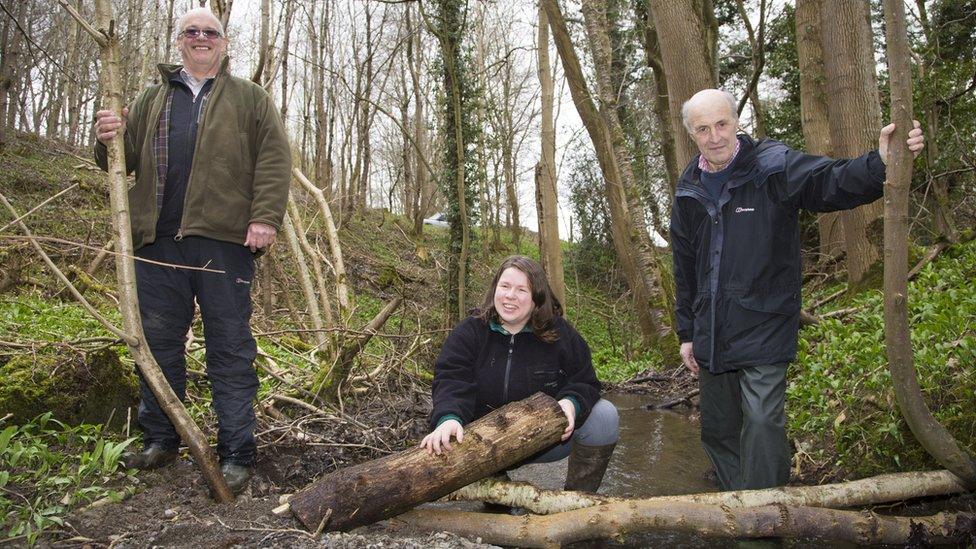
x,y
480,369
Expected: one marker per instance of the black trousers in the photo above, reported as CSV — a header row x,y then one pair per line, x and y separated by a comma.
x,y
166,304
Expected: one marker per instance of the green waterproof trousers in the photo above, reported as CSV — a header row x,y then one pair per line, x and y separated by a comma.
x,y
743,426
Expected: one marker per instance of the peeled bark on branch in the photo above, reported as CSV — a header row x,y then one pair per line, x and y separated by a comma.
x,y
303,274
111,86
342,289
388,486
867,491
936,440
615,519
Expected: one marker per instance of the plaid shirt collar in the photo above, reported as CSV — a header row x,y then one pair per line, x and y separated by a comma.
x,y
704,166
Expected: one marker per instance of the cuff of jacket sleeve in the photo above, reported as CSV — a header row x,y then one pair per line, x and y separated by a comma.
x,y
685,336
446,417
876,166
576,404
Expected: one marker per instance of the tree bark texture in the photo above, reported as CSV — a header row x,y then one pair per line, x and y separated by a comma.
x,y
304,276
125,268
771,521
388,486
623,230
343,293
867,491
813,110
685,54
550,248
936,440
662,112
855,116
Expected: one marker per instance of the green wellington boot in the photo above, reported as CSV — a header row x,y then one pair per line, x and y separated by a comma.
x,y
587,465
236,476
152,457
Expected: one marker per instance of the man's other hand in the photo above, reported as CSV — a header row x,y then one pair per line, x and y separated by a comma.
x,y
259,236
108,124
687,353
916,141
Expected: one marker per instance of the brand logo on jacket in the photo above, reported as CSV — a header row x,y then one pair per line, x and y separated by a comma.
x,y
743,210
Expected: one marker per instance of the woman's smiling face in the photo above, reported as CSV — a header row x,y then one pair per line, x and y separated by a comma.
x,y
513,300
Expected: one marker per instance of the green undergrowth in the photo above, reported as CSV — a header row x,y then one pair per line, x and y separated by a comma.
x,y
841,403
48,468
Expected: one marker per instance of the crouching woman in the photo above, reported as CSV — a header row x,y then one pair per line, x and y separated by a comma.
x,y
517,344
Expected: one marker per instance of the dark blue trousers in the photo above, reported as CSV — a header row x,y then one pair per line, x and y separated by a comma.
x,y
166,304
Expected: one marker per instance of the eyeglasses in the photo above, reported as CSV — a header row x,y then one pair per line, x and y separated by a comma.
x,y
209,34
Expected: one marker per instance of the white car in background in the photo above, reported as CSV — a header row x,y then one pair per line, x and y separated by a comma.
x,y
437,220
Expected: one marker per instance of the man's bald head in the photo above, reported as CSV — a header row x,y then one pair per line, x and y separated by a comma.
x,y
708,99
199,14
711,120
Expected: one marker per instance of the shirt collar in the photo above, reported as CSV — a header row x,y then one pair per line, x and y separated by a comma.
x,y
705,167
496,327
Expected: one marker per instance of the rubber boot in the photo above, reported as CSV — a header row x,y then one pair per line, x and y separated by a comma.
x,y
587,464
236,476
153,456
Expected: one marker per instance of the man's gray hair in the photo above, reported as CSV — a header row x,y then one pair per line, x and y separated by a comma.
x,y
199,11
729,98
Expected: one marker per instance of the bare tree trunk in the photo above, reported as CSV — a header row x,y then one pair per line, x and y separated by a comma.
x,y
10,48
855,117
936,440
685,53
662,112
125,268
264,45
298,252
550,248
415,63
603,137
757,52
813,110
338,265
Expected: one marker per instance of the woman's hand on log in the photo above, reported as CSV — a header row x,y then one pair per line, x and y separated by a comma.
x,y
570,410
441,437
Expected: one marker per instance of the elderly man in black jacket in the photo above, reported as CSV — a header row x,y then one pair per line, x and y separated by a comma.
x,y
736,244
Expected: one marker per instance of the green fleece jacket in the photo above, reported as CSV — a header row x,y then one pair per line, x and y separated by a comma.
x,y
241,161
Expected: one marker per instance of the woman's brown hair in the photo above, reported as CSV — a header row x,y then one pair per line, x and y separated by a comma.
x,y
547,307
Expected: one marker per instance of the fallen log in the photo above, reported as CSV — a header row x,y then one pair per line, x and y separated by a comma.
x,y
614,519
867,491
388,486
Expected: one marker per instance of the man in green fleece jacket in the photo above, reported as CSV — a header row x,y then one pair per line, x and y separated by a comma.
x,y
212,164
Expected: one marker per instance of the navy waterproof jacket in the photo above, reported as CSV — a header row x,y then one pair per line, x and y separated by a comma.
x,y
480,369
737,261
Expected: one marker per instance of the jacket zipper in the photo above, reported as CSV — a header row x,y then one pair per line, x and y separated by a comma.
x,y
508,367
705,201
196,147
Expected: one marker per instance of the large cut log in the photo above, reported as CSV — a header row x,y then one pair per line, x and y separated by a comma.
x,y
866,491
615,519
388,486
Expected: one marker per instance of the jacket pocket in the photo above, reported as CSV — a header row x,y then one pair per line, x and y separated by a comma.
x,y
547,381
702,334
760,328
227,205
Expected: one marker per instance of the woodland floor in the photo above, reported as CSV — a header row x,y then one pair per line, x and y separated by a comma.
x,y
173,508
